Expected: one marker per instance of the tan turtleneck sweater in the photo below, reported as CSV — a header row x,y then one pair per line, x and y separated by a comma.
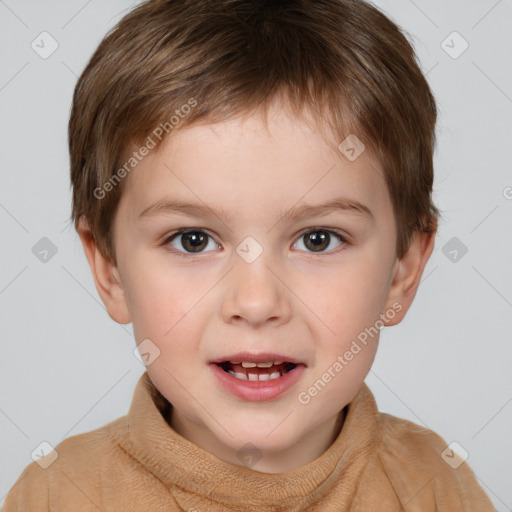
x,y
138,463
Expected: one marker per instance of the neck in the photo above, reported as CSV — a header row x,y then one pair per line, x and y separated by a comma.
x,y
305,451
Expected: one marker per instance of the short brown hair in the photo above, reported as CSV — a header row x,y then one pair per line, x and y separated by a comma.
x,y
344,60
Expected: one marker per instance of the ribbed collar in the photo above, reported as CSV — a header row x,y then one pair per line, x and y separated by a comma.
x,y
175,461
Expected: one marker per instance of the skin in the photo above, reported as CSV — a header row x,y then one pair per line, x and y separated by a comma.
x,y
291,300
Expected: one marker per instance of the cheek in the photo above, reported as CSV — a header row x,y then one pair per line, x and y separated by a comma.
x,y
158,303
349,299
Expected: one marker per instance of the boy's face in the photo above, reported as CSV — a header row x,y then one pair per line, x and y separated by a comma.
x,y
259,282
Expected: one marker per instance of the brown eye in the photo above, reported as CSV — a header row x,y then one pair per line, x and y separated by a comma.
x,y
319,239
192,241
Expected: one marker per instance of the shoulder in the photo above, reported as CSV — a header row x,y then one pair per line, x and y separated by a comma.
x,y
71,471
419,464
410,440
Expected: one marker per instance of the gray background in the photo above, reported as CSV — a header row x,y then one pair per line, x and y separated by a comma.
x,y
67,368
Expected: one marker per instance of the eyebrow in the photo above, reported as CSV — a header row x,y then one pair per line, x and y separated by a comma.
x,y
169,206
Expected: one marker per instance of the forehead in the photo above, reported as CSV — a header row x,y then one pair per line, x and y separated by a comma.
x,y
250,164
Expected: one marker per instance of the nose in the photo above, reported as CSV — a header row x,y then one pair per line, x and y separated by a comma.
x,y
255,294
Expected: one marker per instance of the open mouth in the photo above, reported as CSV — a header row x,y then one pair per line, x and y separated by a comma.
x,y
270,370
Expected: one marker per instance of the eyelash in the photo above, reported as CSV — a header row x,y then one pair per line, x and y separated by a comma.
x,y
182,231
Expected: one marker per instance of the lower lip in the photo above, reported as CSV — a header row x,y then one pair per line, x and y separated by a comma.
x,y
257,391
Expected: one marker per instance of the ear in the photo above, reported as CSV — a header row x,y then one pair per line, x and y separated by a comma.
x,y
106,276
407,275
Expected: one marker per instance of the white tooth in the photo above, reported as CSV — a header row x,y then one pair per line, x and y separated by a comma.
x,y
240,376
265,365
278,362
253,377
248,365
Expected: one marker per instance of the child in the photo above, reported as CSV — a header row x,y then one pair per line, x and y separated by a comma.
x,y
252,187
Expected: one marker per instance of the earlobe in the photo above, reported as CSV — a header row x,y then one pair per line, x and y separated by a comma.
x,y
106,276
407,274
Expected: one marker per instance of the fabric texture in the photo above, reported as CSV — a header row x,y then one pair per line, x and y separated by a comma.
x,y
138,462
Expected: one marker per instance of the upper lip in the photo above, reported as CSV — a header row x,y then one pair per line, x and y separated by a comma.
x,y
261,357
